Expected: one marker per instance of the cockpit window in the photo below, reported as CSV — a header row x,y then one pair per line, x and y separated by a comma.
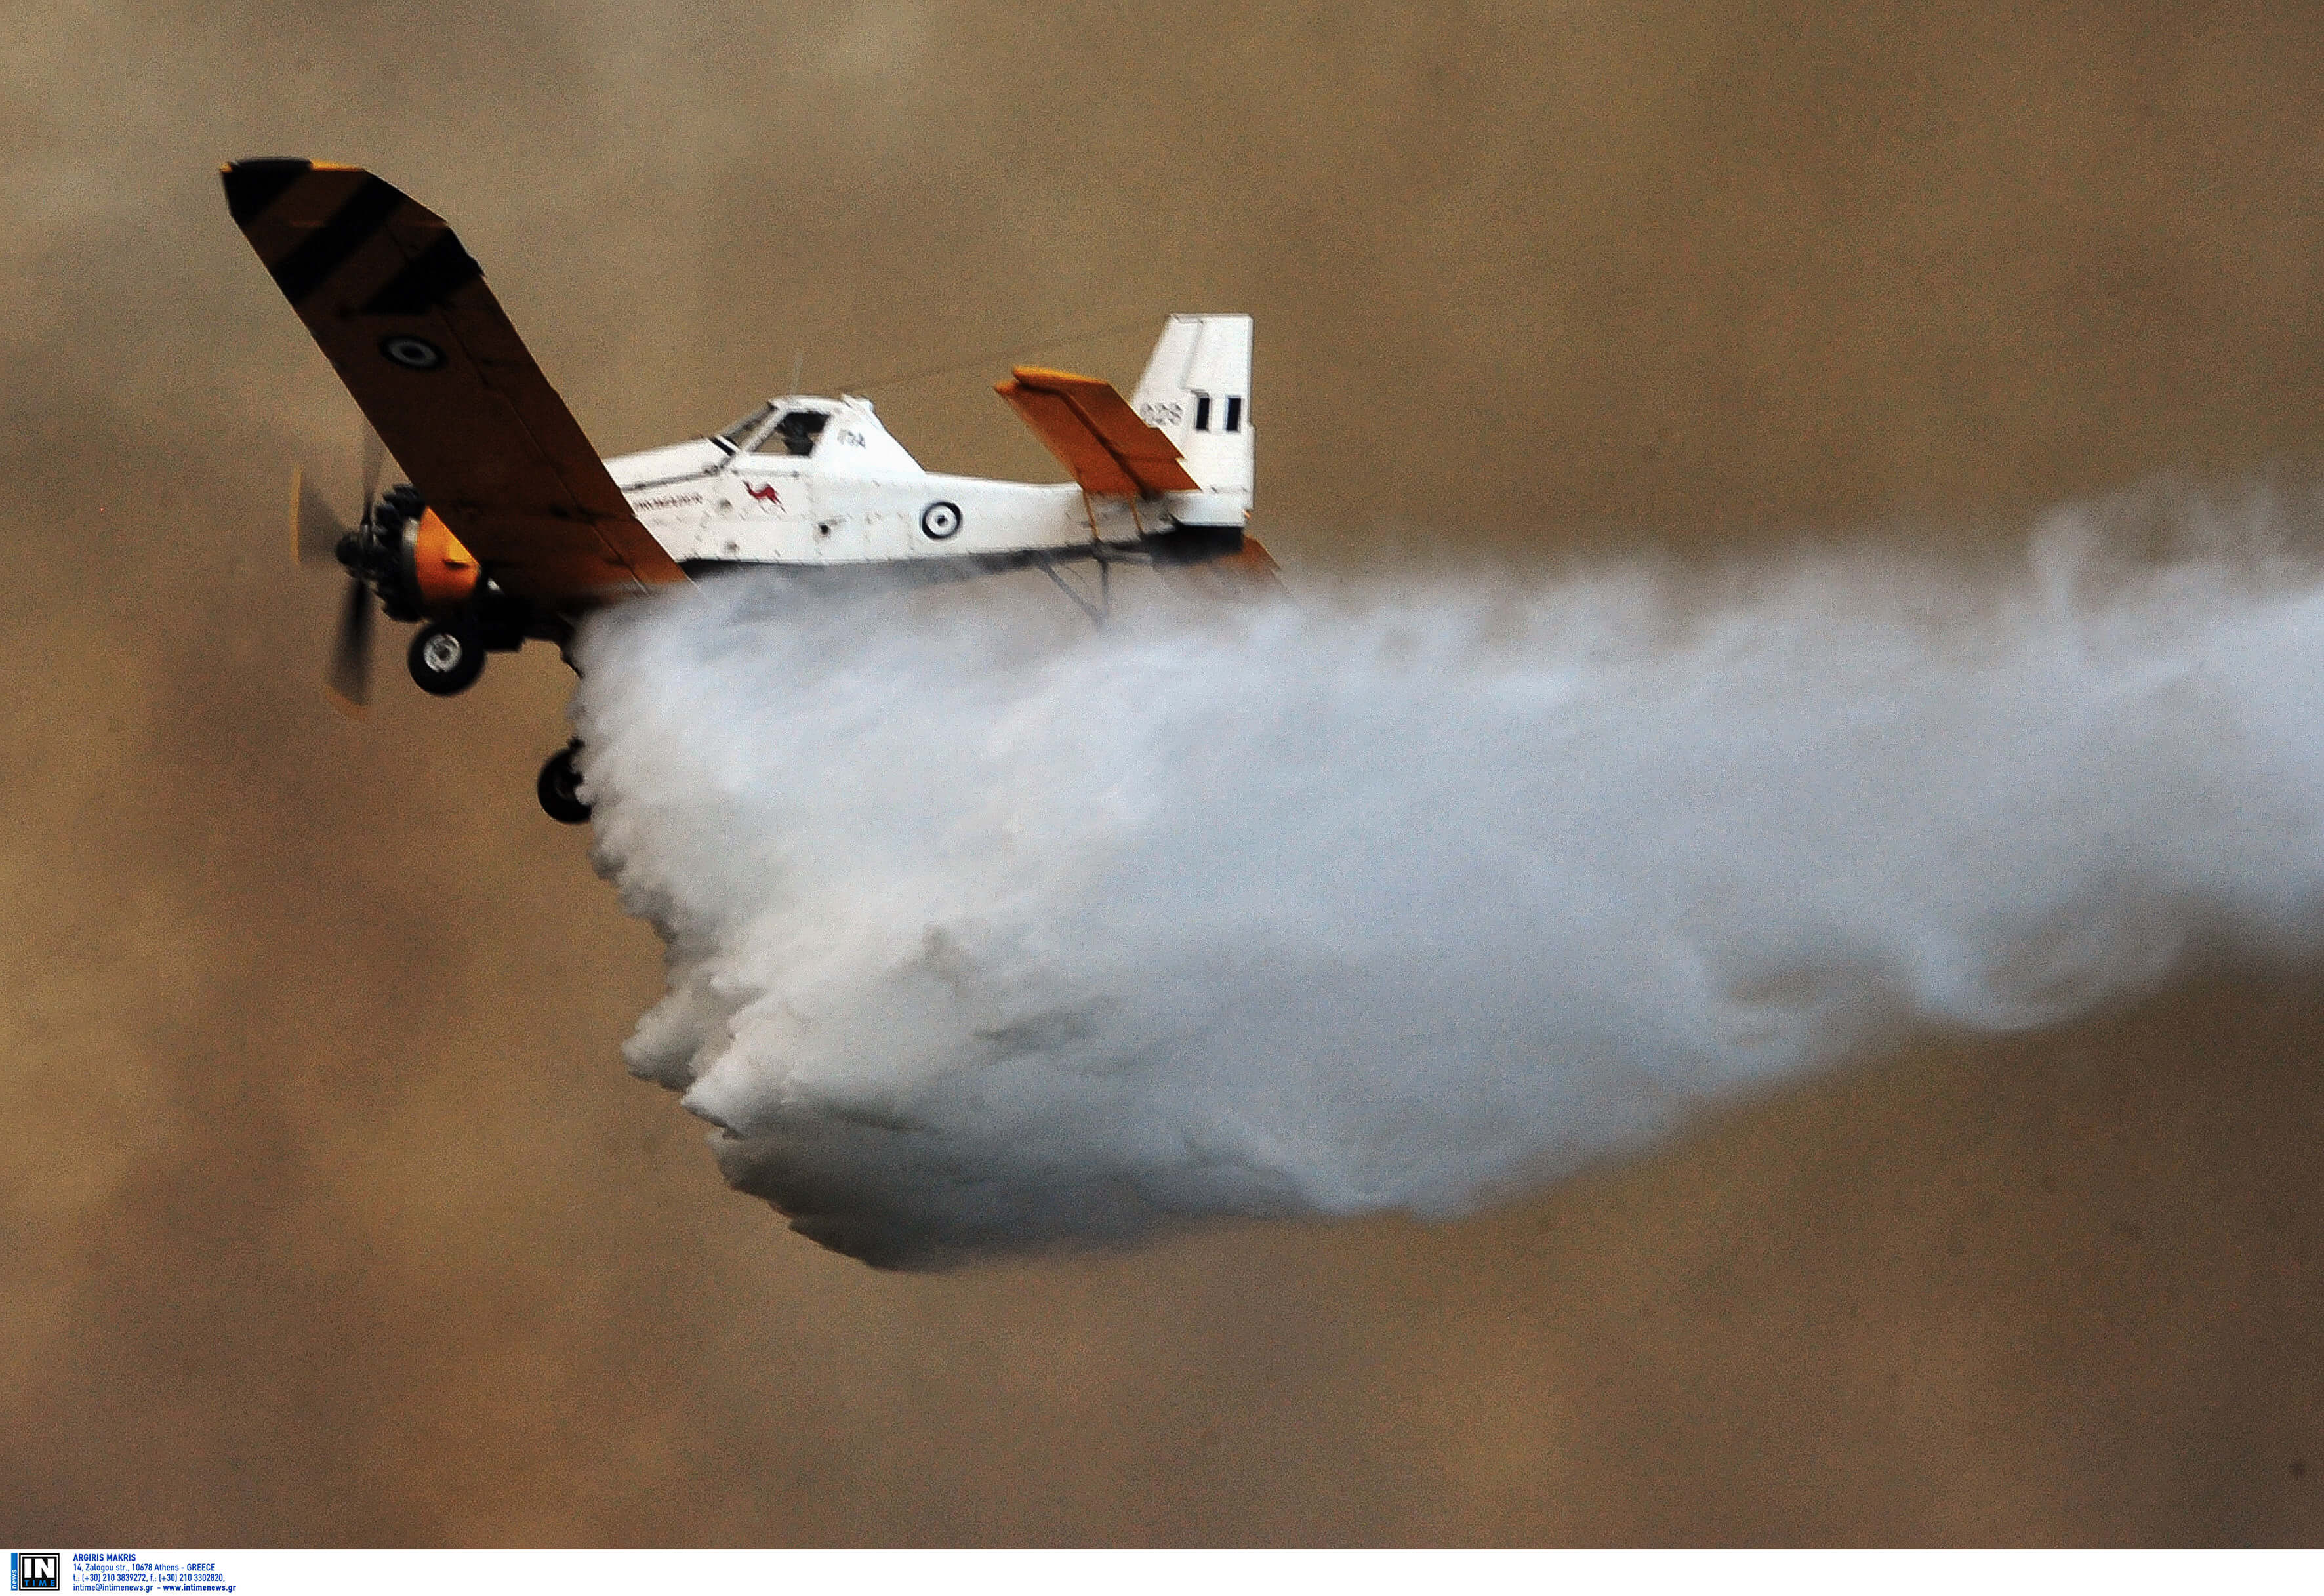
x,y
795,434
734,437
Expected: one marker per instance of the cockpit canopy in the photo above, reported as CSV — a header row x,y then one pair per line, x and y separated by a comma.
x,y
798,432
780,427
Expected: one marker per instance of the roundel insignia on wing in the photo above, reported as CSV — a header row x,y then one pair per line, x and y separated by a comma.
x,y
940,520
411,354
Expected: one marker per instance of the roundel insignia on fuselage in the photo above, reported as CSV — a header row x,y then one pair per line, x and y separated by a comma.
x,y
411,353
940,520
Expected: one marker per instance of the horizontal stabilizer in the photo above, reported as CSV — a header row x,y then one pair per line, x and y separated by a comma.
x,y
1249,571
1092,430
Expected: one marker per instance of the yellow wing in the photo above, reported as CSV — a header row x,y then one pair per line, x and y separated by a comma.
x,y
403,312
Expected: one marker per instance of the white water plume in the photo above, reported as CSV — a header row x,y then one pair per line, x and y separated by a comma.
x,y
987,932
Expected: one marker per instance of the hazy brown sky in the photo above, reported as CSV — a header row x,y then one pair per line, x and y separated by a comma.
x,y
330,1215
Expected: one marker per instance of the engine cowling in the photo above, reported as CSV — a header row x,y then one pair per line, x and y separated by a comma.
x,y
443,573
411,560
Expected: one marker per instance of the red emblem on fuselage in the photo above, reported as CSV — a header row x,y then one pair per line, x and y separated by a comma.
x,y
766,491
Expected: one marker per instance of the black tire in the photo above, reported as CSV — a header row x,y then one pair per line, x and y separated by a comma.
x,y
446,660
559,790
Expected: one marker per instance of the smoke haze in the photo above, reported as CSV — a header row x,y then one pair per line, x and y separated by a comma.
x,y
330,1214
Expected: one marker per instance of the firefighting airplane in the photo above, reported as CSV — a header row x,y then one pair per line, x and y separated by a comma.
x,y
512,527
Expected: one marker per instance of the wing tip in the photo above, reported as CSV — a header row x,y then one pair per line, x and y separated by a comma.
x,y
253,185
256,181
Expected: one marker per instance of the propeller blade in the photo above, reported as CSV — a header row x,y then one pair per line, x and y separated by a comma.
x,y
374,462
349,675
315,531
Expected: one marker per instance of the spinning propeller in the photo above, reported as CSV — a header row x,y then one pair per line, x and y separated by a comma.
x,y
318,534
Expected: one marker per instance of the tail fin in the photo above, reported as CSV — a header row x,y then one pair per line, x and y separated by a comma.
x,y
1198,390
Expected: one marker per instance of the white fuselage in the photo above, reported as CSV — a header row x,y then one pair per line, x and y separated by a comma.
x,y
848,493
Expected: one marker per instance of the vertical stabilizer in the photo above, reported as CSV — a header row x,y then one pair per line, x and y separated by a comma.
x,y
1197,390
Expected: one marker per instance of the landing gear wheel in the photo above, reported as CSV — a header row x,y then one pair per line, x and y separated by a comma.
x,y
446,660
559,787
